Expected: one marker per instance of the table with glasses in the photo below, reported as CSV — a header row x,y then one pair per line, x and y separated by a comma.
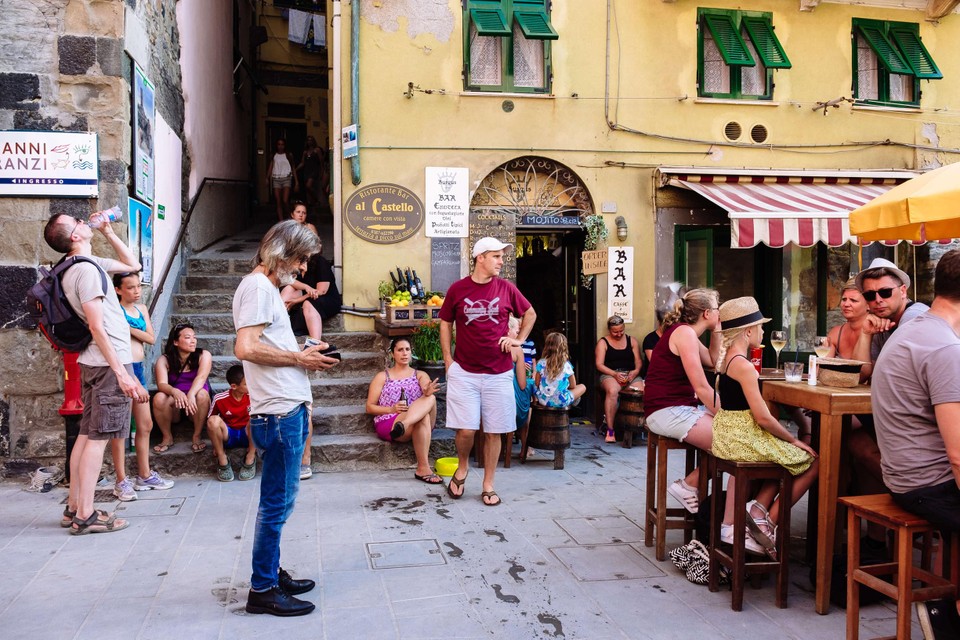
x,y
833,405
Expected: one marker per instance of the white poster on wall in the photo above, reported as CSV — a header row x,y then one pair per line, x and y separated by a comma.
x,y
48,163
168,196
447,202
144,133
620,282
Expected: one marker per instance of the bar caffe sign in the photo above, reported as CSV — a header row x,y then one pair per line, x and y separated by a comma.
x,y
384,213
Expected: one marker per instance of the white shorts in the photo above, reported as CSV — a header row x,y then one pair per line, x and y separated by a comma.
x,y
471,396
675,422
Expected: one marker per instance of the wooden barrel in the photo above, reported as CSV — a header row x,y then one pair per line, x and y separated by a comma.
x,y
549,429
629,417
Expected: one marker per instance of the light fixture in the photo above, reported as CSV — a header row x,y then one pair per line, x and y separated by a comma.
x,y
621,228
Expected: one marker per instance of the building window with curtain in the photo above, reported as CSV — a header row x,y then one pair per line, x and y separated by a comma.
x,y
889,59
507,46
737,52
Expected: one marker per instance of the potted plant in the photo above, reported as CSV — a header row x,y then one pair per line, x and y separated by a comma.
x,y
596,236
425,342
385,291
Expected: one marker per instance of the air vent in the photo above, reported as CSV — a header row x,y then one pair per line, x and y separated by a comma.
x,y
733,131
759,133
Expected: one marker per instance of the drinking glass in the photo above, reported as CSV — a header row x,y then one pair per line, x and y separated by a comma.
x,y
793,371
778,340
822,346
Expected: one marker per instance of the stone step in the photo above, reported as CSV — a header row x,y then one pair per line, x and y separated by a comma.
x,y
219,266
355,364
217,302
348,419
210,284
205,322
221,344
329,392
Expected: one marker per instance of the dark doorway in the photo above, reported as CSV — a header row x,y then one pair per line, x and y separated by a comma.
x,y
294,133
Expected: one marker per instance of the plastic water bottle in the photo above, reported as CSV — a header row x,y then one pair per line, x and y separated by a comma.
x,y
110,215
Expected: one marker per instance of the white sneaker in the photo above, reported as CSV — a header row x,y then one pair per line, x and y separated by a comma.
x,y
751,545
686,495
305,472
124,492
153,481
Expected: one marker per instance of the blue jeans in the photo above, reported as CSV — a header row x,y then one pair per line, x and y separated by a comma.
x,y
280,441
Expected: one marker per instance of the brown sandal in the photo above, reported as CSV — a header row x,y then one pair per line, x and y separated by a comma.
x,y
459,483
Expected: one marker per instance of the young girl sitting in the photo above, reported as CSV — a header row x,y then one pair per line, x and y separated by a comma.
x,y
181,374
554,382
744,429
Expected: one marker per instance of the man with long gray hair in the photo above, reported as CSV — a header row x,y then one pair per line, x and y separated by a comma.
x,y
276,374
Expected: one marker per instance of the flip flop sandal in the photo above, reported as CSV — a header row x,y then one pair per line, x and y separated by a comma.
x,y
94,524
459,483
490,494
162,448
430,478
198,447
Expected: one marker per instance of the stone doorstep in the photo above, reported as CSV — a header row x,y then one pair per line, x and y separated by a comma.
x,y
362,342
353,365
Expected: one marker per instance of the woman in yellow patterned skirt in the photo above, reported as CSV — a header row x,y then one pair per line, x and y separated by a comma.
x,y
744,429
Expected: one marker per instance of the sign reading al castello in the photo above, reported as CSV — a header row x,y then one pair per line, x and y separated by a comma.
x,y
384,213
48,163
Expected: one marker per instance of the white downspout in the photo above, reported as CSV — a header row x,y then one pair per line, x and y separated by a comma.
x,y
336,162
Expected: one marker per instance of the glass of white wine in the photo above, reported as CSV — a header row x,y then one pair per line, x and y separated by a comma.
x,y
822,346
778,340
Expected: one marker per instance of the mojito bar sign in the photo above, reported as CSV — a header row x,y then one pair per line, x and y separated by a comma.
x,y
384,213
48,163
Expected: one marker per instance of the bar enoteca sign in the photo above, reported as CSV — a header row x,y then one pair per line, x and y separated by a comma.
x,y
48,163
384,213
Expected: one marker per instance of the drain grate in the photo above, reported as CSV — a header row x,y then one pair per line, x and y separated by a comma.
x,y
408,553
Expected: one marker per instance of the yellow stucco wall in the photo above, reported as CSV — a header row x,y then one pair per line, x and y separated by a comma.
x,y
653,68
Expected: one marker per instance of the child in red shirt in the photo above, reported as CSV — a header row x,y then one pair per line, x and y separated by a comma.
x,y
228,425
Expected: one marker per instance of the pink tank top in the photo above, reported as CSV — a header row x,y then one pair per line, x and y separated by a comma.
x,y
390,394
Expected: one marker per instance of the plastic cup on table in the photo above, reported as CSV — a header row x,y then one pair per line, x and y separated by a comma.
x,y
793,371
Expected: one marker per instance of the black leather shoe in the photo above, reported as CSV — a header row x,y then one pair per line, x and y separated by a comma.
x,y
277,602
294,587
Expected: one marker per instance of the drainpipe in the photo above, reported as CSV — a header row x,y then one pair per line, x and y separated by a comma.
x,y
336,162
355,84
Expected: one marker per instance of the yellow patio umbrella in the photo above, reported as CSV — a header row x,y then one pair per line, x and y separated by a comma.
x,y
921,209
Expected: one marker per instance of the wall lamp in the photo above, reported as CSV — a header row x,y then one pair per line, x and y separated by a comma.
x,y
621,228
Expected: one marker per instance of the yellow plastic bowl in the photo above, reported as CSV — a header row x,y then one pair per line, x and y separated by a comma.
x,y
447,466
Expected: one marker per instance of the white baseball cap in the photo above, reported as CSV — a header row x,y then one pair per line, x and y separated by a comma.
x,y
488,244
881,263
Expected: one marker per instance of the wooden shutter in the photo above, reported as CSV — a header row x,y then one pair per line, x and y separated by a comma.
x,y
917,56
766,43
727,37
887,53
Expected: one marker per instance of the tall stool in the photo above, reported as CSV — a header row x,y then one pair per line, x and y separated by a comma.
x,y
882,510
745,473
549,429
659,517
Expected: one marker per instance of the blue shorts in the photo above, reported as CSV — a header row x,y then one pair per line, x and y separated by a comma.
x,y
138,373
236,438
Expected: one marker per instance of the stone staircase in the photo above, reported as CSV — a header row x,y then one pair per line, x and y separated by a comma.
x,y
343,435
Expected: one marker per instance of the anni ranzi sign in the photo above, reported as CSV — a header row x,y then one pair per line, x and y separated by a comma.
x,y
48,163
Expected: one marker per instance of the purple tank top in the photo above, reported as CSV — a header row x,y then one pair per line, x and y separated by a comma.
x,y
390,394
184,381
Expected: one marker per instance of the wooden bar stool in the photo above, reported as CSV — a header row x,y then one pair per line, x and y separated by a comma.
x,y
882,510
659,517
745,473
549,429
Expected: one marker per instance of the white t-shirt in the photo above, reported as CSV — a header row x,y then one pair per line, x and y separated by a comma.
x,y
273,390
82,283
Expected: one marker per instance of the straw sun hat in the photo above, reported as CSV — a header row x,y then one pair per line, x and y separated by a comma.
x,y
740,313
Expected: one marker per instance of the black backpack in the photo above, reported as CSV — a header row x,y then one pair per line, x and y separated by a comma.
x,y
52,312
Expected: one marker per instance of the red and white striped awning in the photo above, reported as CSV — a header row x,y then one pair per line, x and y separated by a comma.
x,y
778,213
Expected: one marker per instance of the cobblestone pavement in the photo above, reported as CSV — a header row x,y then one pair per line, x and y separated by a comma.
x,y
562,557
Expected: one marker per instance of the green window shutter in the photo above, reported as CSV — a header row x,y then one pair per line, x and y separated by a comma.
x,y
913,50
490,22
766,43
535,25
727,37
886,51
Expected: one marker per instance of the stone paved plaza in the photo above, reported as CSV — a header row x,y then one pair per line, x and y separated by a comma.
x,y
563,557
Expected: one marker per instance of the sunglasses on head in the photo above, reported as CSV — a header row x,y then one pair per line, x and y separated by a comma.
x,y
884,293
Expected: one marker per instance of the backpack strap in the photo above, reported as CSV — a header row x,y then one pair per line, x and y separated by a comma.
x,y
68,261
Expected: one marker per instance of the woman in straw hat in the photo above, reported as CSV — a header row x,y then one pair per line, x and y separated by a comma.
x,y
744,429
678,399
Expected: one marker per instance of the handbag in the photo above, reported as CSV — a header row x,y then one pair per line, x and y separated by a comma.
x,y
693,559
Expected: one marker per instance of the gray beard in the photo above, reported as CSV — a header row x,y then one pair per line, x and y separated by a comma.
x,y
286,278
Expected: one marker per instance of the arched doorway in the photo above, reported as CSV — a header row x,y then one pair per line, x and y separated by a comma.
x,y
538,204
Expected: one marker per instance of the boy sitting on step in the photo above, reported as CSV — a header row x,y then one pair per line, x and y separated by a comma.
x,y
228,426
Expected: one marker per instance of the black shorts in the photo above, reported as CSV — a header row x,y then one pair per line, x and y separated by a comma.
x,y
939,504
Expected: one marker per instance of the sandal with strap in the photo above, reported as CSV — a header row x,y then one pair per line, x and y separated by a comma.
x,y
69,515
96,523
762,530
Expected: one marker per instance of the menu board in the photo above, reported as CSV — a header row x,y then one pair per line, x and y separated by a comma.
x,y
445,258
498,224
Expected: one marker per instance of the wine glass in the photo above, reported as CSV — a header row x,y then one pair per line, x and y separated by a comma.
x,y
822,346
778,340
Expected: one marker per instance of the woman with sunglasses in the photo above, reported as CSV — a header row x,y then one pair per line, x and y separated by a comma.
x,y
181,374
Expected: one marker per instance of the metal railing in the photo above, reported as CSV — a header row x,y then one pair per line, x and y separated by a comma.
x,y
158,288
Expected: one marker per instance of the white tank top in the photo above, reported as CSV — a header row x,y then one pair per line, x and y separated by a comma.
x,y
281,166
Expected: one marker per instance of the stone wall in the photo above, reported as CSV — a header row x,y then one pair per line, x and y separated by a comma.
x,y
63,68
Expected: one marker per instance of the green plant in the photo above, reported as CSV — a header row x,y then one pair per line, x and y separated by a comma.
x,y
596,230
425,342
385,289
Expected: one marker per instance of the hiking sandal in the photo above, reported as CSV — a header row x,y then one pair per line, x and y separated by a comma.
x,y
94,524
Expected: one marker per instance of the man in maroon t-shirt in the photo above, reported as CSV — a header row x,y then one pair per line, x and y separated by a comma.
x,y
480,372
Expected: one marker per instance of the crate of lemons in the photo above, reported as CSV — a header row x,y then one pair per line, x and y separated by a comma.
x,y
404,299
402,309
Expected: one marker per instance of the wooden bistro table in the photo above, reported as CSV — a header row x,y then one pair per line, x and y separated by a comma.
x,y
832,403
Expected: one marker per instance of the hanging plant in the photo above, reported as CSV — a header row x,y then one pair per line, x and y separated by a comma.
x,y
596,236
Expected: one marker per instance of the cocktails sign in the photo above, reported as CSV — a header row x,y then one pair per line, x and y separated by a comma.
x,y
384,213
48,163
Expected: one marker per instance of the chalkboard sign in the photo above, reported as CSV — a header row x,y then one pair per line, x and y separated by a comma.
x,y
445,263
501,225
